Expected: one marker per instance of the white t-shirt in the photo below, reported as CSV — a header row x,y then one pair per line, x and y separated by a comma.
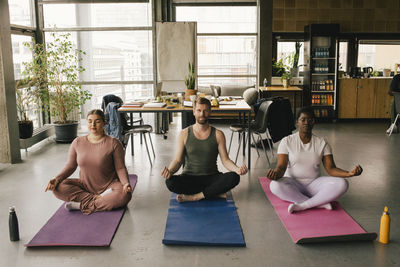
x,y
304,159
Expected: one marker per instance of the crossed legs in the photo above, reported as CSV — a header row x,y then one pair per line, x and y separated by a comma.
x,y
73,190
319,193
194,188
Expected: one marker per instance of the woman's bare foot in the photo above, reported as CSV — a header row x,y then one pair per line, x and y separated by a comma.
x,y
185,198
72,205
327,206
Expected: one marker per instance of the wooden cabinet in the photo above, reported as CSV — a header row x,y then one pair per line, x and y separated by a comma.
x,y
364,98
347,98
382,98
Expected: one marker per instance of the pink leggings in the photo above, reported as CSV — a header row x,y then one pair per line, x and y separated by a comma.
x,y
76,190
320,191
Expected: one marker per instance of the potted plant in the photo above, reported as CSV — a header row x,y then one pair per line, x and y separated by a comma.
x,y
285,78
295,61
56,68
278,68
190,82
26,96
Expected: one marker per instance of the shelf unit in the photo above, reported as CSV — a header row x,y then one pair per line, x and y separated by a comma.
x,y
320,70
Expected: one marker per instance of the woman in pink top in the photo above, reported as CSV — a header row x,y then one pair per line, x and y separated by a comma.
x,y
103,182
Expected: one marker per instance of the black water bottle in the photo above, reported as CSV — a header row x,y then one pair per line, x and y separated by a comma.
x,y
13,224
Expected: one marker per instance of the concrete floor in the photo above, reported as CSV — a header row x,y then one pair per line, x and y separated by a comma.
x,y
138,239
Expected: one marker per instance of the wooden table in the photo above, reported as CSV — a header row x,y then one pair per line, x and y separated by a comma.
x,y
291,89
241,107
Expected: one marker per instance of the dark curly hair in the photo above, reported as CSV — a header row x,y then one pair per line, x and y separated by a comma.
x,y
306,110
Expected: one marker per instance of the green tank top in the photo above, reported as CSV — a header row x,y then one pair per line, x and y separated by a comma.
x,y
201,155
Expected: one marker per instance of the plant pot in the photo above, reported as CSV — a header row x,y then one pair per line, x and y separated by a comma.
x,y
25,129
66,133
386,72
285,83
189,92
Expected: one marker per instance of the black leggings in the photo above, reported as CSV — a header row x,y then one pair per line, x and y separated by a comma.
x,y
210,185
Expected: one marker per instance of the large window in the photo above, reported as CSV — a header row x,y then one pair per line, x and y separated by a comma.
x,y
286,50
21,53
21,12
343,48
97,15
22,22
118,42
226,43
379,56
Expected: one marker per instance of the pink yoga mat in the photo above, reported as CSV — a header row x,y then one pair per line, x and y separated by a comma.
x,y
316,225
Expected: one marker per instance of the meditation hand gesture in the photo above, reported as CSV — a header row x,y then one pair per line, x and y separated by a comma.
x,y
166,173
242,170
272,174
52,185
356,171
127,188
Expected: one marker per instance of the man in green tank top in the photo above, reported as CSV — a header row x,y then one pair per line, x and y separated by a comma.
x,y
199,146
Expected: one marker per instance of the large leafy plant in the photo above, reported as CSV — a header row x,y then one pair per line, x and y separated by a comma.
x,y
26,96
55,69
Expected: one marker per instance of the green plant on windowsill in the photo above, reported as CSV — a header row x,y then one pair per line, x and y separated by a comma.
x,y
296,55
285,78
278,67
190,80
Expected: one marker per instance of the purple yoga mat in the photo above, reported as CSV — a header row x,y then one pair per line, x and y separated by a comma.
x,y
73,228
316,225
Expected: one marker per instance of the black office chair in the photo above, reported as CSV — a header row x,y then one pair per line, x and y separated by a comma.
x,y
258,127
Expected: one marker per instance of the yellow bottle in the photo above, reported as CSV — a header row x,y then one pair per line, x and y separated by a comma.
x,y
385,227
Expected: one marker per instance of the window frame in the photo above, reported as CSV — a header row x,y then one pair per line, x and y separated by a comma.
x,y
285,37
150,28
214,4
34,33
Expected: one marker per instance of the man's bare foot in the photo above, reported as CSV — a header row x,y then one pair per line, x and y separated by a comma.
x,y
185,198
222,195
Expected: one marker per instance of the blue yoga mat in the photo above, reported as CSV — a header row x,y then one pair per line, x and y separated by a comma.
x,y
204,223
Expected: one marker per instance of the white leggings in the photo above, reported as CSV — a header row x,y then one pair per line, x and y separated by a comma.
x,y
320,191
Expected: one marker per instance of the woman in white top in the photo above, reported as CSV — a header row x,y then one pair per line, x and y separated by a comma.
x,y
297,176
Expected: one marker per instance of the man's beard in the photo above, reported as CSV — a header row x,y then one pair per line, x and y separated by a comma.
x,y
202,121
